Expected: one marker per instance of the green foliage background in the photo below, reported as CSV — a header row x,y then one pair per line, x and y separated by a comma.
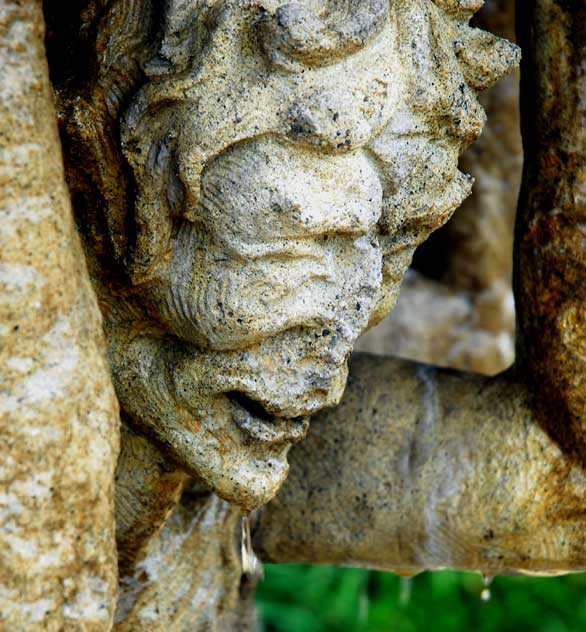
x,y
329,599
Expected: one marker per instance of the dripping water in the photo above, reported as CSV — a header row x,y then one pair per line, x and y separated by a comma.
x,y
486,582
251,565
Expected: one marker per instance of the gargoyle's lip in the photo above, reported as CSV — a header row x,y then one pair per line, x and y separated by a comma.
x,y
263,427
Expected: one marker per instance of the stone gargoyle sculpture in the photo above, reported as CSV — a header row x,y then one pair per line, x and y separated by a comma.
x,y
285,161
250,179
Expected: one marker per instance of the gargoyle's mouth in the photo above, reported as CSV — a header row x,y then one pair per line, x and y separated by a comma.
x,y
255,421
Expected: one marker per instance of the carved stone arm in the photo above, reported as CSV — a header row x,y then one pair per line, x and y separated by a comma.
x,y
421,468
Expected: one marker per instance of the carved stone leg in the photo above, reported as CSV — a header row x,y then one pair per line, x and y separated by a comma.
x,y
58,411
148,488
421,468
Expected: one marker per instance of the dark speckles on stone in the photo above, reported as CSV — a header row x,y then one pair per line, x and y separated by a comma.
x,y
302,127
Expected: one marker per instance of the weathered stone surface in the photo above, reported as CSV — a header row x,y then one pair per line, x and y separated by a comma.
x,y
286,160
467,479
190,577
466,319
250,181
148,488
481,231
58,412
551,261
458,329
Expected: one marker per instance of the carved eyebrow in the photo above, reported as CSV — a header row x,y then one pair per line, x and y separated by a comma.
x,y
294,33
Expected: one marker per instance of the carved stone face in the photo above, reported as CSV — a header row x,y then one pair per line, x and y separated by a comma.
x,y
288,158
267,290
284,238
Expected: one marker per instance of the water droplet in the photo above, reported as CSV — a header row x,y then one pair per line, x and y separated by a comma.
x,y
486,582
251,565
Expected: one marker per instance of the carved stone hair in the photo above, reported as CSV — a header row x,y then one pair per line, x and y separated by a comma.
x,y
155,65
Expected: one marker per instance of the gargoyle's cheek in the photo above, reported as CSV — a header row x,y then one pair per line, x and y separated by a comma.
x,y
394,268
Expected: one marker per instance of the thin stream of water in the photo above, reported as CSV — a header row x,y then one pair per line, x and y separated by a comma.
x,y
251,565
405,590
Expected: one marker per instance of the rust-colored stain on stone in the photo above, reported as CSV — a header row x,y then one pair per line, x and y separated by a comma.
x,y
551,249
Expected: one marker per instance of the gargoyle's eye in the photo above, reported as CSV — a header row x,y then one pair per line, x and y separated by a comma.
x,y
295,36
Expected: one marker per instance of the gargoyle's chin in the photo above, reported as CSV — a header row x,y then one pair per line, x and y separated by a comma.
x,y
252,482
207,420
246,463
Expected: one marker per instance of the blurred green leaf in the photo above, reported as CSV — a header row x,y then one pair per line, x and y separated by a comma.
x,y
329,599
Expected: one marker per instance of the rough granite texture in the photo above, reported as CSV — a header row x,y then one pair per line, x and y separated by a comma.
x,y
58,412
